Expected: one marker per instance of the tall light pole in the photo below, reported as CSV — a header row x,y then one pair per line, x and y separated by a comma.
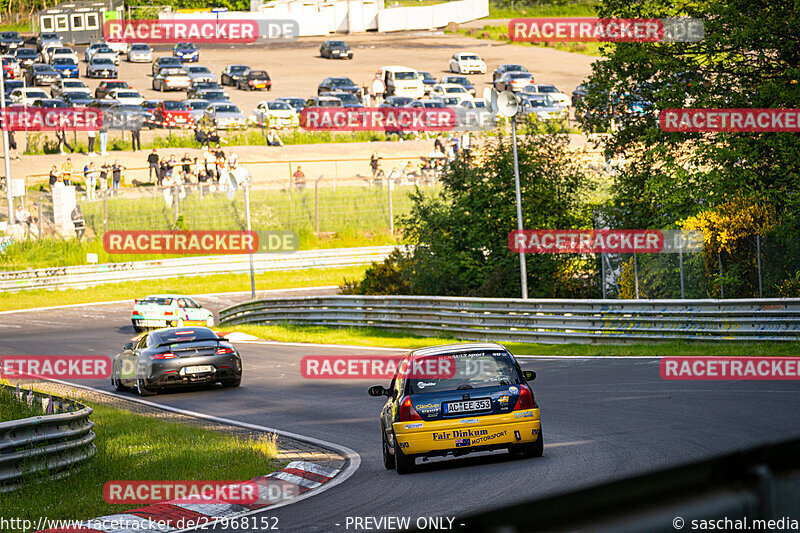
x,y
6,149
247,215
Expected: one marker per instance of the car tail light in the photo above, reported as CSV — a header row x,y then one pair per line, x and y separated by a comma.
x,y
407,411
167,313
167,355
224,351
525,400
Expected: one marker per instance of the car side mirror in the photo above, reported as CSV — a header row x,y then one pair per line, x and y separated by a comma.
x,y
128,346
377,390
529,375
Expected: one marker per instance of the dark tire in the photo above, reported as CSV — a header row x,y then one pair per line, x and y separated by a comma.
x,y
232,383
403,463
140,388
136,327
388,458
535,449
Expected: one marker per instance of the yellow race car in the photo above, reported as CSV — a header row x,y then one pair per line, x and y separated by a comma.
x,y
458,399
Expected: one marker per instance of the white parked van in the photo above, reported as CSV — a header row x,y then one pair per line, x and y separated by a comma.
x,y
402,81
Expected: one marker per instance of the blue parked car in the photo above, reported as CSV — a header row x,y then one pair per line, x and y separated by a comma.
x,y
66,67
186,52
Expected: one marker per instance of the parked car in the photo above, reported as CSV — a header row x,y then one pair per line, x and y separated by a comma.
x,y
197,87
171,79
459,80
338,84
348,99
26,56
66,67
232,73
26,95
87,54
197,108
166,61
50,103
276,113
45,40
550,90
397,101
61,52
451,90
10,41
174,113
502,69
212,95
253,80
119,47
105,87
64,86
186,52
335,50
104,52
514,81
427,104
140,53
9,70
199,73
296,102
542,106
40,74
126,96
149,107
428,81
13,84
467,63
78,98
324,101
225,115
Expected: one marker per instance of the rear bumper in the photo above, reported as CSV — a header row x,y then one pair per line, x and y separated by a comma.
x,y
443,437
167,373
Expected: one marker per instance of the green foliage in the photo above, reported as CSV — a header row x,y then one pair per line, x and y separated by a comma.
x,y
460,235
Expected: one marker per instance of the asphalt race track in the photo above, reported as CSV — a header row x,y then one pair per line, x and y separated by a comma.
x,y
603,419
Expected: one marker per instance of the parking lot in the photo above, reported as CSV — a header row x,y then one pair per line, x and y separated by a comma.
x,y
296,68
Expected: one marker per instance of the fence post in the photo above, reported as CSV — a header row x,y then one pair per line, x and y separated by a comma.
x,y
105,211
721,286
758,252
603,274
636,275
316,205
391,208
39,217
680,260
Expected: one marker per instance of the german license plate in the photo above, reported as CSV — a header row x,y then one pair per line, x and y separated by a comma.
x,y
153,323
468,406
199,369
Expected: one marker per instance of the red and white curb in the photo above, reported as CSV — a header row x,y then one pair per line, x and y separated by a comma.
x,y
297,477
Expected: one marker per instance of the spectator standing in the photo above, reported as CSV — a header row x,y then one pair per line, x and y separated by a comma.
x,y
208,163
92,136
374,163
136,129
23,216
466,144
164,171
12,145
187,165
78,222
104,178
299,178
152,162
438,144
90,175
61,136
116,176
103,135
53,177
66,171
378,89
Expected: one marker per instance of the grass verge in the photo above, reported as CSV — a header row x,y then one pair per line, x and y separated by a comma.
x,y
137,447
399,339
185,285
500,33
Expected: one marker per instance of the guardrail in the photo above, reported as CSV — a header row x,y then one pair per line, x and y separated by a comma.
x,y
51,442
544,321
90,275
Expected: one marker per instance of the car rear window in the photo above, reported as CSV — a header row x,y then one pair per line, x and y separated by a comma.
x,y
175,106
153,300
460,371
176,336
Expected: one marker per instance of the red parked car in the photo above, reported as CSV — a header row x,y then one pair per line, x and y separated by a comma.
x,y
172,114
8,70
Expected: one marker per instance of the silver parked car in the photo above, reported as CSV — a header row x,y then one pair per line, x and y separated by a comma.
x,y
225,115
140,53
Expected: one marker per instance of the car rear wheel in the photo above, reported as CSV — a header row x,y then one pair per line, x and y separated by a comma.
x,y
232,383
388,458
535,449
136,327
142,389
210,322
403,463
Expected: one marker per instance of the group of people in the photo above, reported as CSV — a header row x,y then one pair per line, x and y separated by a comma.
x,y
452,148
209,167
94,177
